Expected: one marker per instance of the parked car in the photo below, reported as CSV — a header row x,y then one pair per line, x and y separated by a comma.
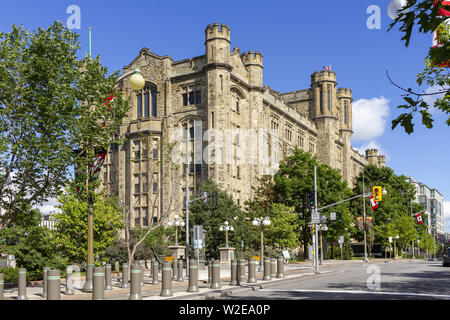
x,y
446,258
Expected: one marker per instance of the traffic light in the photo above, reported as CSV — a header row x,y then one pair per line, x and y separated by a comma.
x,y
310,200
313,229
377,193
214,195
339,216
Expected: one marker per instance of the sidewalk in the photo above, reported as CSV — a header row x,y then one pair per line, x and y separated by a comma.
x,y
152,292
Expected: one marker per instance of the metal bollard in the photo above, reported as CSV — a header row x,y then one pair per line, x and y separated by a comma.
x,y
251,270
273,268
193,276
233,273
88,284
151,266
155,267
215,284
175,269
166,288
180,270
44,292
54,285
108,281
210,271
241,271
98,279
280,267
267,264
135,289
141,265
22,283
69,281
125,281
2,285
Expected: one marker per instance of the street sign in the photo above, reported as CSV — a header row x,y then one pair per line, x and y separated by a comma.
x,y
286,254
323,219
332,216
315,217
341,239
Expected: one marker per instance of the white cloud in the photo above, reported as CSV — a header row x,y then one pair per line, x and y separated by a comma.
x,y
372,145
369,118
48,207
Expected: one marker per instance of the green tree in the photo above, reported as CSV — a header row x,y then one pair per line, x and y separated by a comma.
x,y
283,230
212,218
70,234
424,14
31,244
51,104
295,179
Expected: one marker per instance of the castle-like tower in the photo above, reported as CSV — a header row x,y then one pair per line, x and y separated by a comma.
x,y
253,127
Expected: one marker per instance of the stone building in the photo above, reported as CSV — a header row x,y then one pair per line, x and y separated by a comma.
x,y
236,128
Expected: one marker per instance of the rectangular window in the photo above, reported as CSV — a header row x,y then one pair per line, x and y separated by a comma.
x,y
147,105
321,101
329,98
198,168
237,106
191,132
155,154
154,104
185,99
145,216
144,183
137,150
345,112
137,217
198,97
137,185
191,97
212,120
139,105
155,182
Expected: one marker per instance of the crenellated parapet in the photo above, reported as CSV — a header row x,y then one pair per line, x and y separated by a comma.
x,y
251,58
217,31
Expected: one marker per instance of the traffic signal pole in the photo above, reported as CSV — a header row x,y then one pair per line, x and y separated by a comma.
x,y
316,244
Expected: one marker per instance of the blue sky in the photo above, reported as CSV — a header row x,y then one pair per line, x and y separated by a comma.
x,y
296,38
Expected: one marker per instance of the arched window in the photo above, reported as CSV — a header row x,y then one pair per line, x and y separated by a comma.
x,y
147,102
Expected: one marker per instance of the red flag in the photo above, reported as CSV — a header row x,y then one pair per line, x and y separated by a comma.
x,y
373,202
419,218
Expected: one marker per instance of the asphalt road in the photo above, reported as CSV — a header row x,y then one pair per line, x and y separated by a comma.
x,y
417,280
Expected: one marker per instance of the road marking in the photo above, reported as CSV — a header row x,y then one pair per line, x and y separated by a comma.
x,y
361,292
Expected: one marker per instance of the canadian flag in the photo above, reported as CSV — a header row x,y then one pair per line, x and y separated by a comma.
x,y
327,68
373,202
419,218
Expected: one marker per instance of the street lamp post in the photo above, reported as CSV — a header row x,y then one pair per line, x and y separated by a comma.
x,y
261,222
395,248
418,248
137,82
176,222
226,227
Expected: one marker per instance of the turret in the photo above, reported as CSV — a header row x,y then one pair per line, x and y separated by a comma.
x,y
345,100
381,161
217,43
254,63
323,85
372,156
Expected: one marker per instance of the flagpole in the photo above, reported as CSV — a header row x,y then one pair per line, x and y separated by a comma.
x,y
364,222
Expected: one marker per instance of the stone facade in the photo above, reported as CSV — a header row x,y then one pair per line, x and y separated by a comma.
x,y
218,103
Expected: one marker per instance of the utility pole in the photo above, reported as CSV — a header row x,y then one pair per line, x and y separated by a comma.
x,y
316,256
364,222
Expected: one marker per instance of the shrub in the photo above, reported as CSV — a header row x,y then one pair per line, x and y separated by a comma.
x,y
10,275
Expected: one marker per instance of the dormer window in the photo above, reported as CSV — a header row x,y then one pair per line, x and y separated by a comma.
x,y
146,102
